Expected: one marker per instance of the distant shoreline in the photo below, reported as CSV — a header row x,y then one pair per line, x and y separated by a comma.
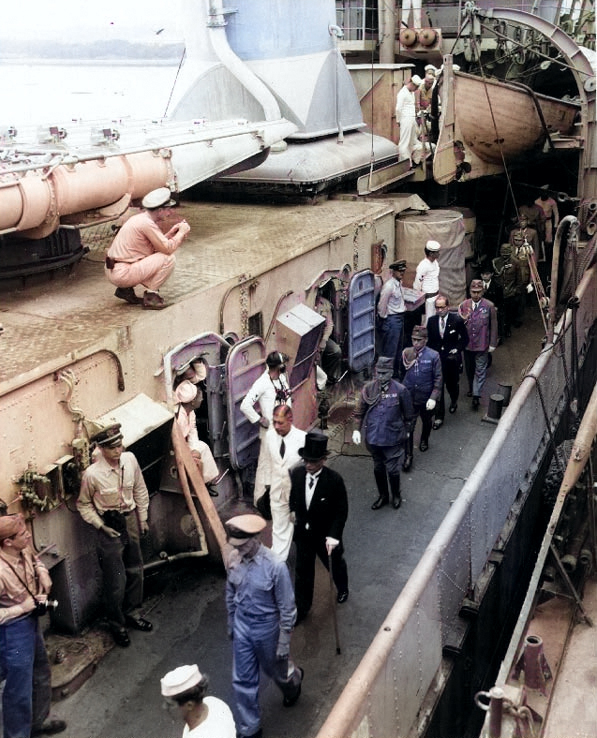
x,y
116,62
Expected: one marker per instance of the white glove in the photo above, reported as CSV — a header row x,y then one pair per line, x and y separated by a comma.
x,y
491,348
453,351
356,437
430,405
530,288
330,544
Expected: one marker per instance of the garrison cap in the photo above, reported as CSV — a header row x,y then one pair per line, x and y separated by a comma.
x,y
160,198
245,526
419,331
398,266
476,284
109,437
433,246
10,525
180,680
315,448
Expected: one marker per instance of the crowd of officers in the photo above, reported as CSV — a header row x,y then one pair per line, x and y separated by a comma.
x,y
306,501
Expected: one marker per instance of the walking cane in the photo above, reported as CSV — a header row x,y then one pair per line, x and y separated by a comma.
x,y
334,606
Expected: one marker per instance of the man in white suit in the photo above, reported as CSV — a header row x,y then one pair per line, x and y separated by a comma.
x,y
280,453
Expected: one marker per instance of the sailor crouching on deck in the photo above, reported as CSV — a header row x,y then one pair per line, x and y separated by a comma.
x,y
261,616
115,501
24,587
142,254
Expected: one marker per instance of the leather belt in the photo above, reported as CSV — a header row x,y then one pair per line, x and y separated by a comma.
x,y
431,294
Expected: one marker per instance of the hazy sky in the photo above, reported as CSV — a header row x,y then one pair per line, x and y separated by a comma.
x,y
75,20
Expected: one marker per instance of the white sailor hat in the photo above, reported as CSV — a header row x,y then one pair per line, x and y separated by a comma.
x,y
160,198
186,391
433,246
180,680
416,80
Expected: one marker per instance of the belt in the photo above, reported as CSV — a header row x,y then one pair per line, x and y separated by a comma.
x,y
111,263
431,294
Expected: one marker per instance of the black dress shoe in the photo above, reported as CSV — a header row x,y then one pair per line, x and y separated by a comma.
x,y
475,403
408,462
469,393
128,294
379,502
121,637
50,727
290,701
423,446
257,734
396,502
134,621
342,597
437,423
452,409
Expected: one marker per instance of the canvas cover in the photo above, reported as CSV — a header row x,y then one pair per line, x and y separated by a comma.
x,y
414,229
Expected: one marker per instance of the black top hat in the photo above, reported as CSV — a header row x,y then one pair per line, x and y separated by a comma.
x,y
108,437
315,448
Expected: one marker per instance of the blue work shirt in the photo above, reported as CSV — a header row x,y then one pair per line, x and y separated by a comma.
x,y
260,589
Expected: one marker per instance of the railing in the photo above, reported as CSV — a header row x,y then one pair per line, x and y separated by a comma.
x,y
385,692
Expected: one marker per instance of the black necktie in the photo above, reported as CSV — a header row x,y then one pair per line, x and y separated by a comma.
x,y
282,448
311,481
442,326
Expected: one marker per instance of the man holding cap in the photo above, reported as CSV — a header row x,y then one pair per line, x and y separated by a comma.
x,y
427,277
261,616
24,588
115,501
480,317
409,146
319,501
384,412
142,254
205,717
390,309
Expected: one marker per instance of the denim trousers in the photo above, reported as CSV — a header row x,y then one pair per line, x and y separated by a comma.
x,y
25,666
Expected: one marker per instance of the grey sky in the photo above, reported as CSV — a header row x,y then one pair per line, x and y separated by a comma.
x,y
72,20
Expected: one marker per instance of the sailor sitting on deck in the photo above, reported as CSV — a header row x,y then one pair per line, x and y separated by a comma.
x,y
142,254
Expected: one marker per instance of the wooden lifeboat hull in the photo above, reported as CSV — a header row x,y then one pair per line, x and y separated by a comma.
x,y
486,123
502,119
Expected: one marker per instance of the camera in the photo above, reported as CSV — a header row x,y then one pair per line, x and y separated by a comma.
x,y
41,608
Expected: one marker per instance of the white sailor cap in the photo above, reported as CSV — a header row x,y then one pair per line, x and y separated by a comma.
x,y
180,680
160,198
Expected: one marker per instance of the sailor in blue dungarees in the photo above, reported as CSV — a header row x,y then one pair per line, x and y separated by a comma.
x,y
261,616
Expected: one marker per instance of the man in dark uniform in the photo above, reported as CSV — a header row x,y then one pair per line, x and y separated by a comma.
x,y
115,501
319,501
423,379
391,309
384,411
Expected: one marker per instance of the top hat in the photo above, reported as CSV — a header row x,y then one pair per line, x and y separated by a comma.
x,y
315,448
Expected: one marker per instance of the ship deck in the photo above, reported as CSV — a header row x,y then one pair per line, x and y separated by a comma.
x,y
41,332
